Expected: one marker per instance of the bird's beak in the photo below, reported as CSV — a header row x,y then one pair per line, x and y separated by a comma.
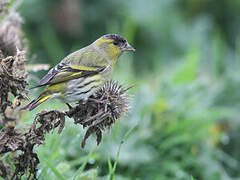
x,y
128,47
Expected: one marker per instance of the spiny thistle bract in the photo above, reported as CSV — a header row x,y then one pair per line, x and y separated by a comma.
x,y
101,110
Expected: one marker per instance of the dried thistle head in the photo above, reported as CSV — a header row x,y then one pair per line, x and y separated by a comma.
x,y
44,122
10,34
12,65
114,100
101,110
12,81
10,139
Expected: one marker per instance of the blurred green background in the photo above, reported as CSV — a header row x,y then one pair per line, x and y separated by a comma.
x,y
184,123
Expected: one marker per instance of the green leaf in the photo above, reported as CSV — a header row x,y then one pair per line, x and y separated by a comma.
x,y
188,72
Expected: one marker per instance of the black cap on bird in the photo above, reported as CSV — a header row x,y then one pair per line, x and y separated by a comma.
x,y
120,41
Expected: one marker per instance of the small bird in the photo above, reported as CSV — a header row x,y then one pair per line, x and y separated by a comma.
x,y
83,72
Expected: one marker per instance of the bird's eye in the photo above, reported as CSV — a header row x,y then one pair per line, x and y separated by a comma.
x,y
115,43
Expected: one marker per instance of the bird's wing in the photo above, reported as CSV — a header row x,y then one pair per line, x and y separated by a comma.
x,y
63,72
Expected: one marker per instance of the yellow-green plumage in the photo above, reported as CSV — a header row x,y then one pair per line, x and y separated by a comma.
x,y
81,73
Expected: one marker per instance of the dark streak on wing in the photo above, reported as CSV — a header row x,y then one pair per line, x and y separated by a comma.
x,y
48,77
51,74
87,91
87,73
62,67
81,86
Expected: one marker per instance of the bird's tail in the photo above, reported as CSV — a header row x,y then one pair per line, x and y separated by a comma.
x,y
33,104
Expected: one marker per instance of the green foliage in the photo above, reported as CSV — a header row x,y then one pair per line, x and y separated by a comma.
x,y
188,72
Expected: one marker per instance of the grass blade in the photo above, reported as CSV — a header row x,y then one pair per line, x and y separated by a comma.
x,y
109,164
82,167
113,169
55,171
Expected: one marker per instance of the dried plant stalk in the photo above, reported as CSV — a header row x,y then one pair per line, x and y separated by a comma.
x,y
12,81
99,113
12,66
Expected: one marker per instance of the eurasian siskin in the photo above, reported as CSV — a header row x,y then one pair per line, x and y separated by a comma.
x,y
81,73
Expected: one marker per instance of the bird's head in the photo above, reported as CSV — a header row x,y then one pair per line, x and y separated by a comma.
x,y
113,45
